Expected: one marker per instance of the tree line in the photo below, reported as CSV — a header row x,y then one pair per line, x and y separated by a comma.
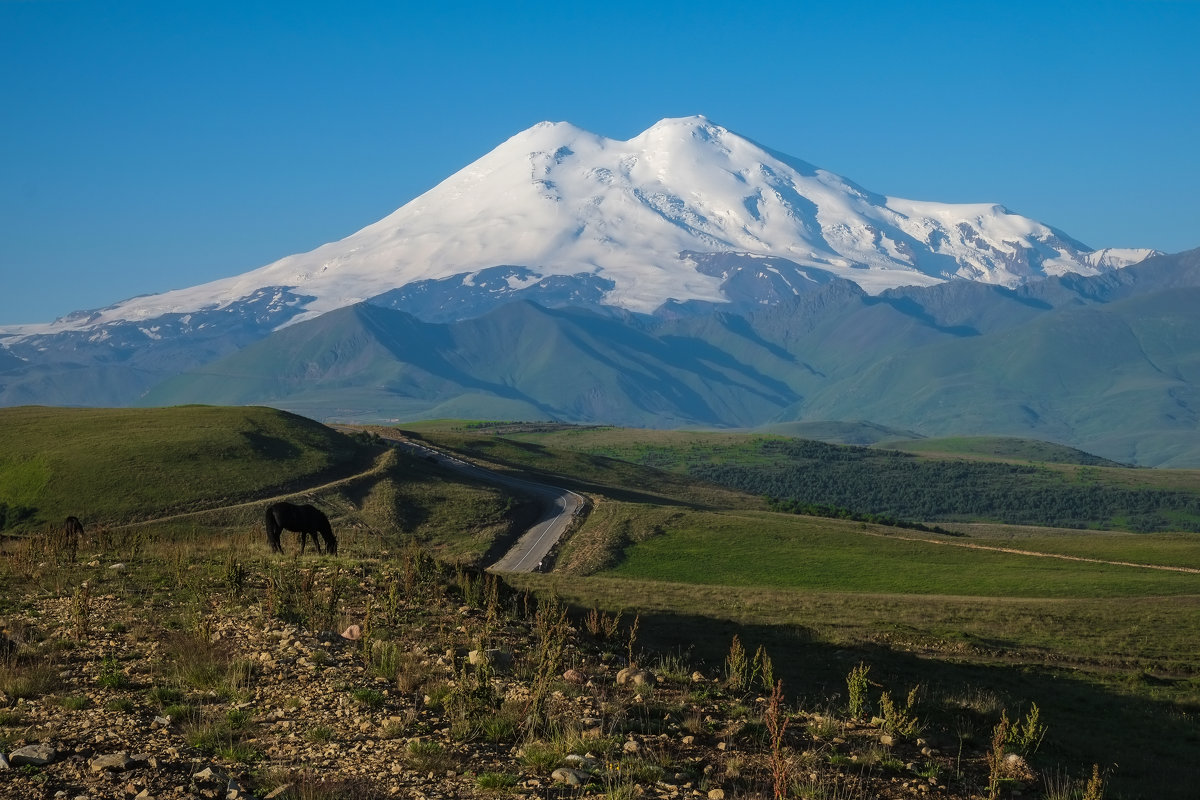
x,y
900,486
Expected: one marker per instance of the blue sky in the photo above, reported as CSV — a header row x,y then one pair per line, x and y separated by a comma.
x,y
152,146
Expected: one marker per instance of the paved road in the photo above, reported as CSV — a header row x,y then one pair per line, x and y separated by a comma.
x,y
559,507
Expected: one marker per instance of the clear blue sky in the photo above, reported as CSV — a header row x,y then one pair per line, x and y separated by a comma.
x,y
146,146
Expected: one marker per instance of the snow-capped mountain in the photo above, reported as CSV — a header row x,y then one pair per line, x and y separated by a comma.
x,y
685,211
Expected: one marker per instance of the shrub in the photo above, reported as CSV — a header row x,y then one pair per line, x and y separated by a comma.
x,y
427,756
495,781
856,689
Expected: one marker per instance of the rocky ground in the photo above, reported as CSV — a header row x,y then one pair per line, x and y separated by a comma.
x,y
310,680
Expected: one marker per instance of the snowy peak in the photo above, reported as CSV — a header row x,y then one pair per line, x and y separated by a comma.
x,y
558,202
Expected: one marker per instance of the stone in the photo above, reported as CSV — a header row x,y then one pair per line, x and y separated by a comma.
x,y
37,755
114,761
353,633
574,676
716,794
887,740
4,762
635,677
491,656
210,774
697,677
571,777
118,567
580,762
631,746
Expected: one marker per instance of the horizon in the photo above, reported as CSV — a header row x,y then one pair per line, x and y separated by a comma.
x,y
164,147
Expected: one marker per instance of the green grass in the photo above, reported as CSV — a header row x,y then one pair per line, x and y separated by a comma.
x,y
782,551
1166,549
108,465
1001,448
584,467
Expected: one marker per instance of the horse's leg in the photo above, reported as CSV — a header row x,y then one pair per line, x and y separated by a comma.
x,y
273,531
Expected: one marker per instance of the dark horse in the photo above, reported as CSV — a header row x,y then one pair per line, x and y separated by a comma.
x,y
73,528
72,535
304,520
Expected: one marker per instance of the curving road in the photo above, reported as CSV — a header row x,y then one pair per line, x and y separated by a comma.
x,y
559,507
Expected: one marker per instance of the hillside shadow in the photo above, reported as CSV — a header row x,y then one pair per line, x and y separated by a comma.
x,y
1148,744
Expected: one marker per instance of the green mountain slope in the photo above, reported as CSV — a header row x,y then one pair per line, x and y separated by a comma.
x,y
1109,365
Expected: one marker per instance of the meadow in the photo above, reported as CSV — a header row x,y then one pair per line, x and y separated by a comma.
x,y
1105,646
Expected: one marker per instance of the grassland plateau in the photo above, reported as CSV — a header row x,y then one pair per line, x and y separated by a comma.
x,y
169,654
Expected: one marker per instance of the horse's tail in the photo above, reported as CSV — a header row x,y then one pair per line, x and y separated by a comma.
x,y
273,529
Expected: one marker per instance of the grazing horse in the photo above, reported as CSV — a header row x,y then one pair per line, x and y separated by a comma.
x,y
304,520
73,527
72,535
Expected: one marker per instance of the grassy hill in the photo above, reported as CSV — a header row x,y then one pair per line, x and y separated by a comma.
x,y
1000,448
206,468
995,479
109,464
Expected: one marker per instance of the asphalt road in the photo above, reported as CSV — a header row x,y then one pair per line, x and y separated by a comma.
x,y
559,507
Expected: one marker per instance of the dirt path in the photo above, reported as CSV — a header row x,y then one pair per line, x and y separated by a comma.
x,y
1015,551
559,505
375,468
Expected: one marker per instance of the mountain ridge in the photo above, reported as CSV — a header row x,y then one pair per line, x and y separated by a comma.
x,y
561,201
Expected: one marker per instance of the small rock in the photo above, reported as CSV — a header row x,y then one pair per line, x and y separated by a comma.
x,y
209,774
689,740
716,794
4,762
114,761
571,777
37,755
118,567
574,676
635,677
580,762
887,740
492,656
697,677
353,633
631,746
